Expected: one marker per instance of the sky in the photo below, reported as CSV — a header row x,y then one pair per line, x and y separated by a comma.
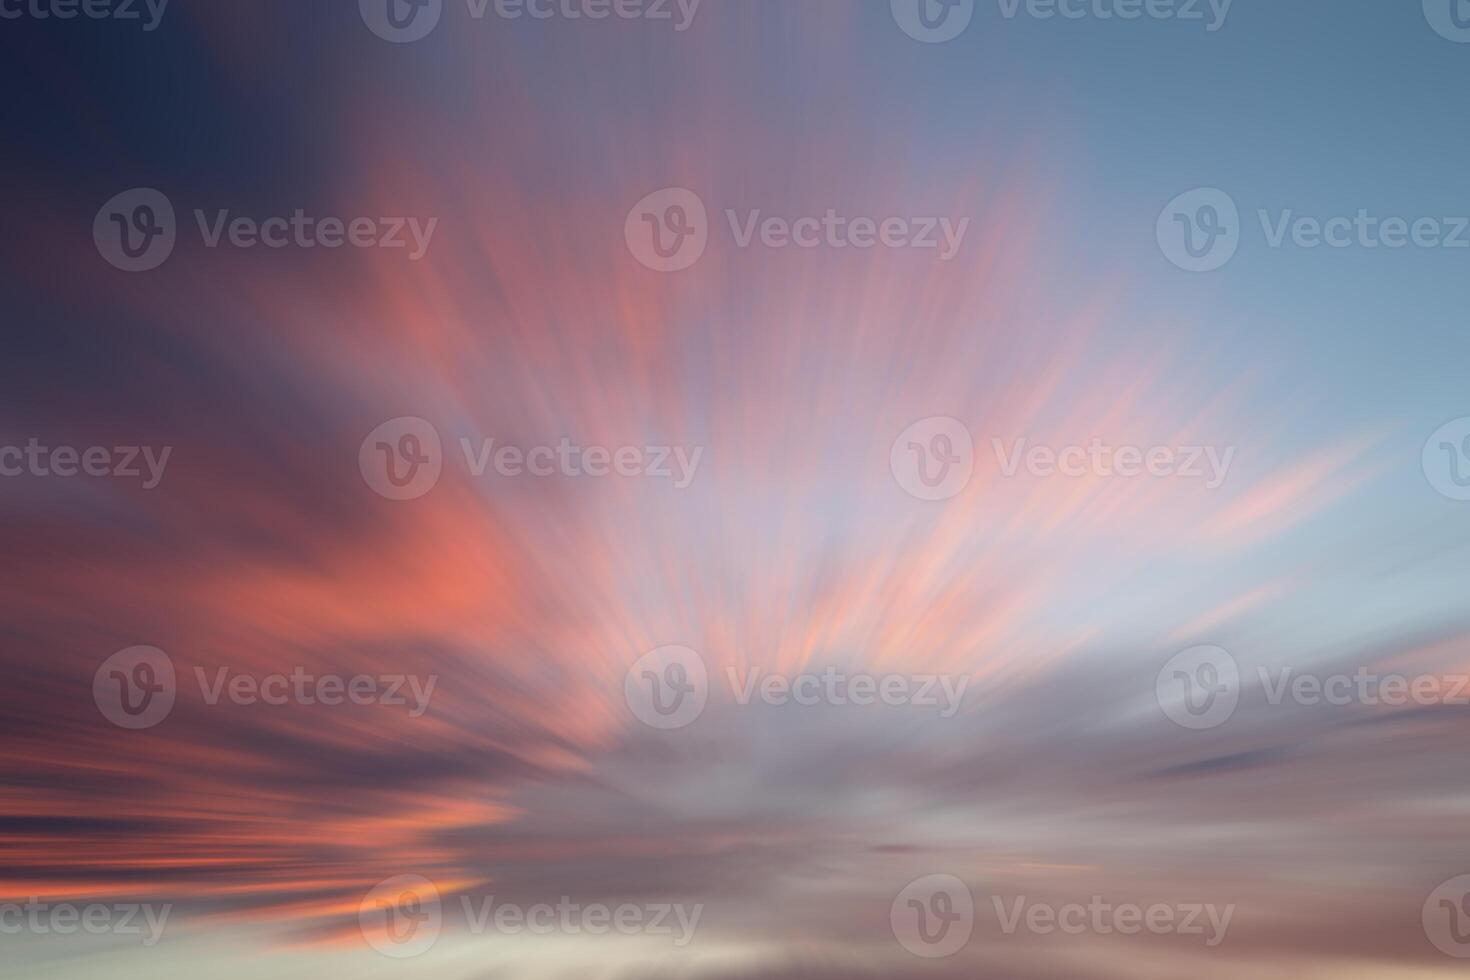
x,y
685,501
